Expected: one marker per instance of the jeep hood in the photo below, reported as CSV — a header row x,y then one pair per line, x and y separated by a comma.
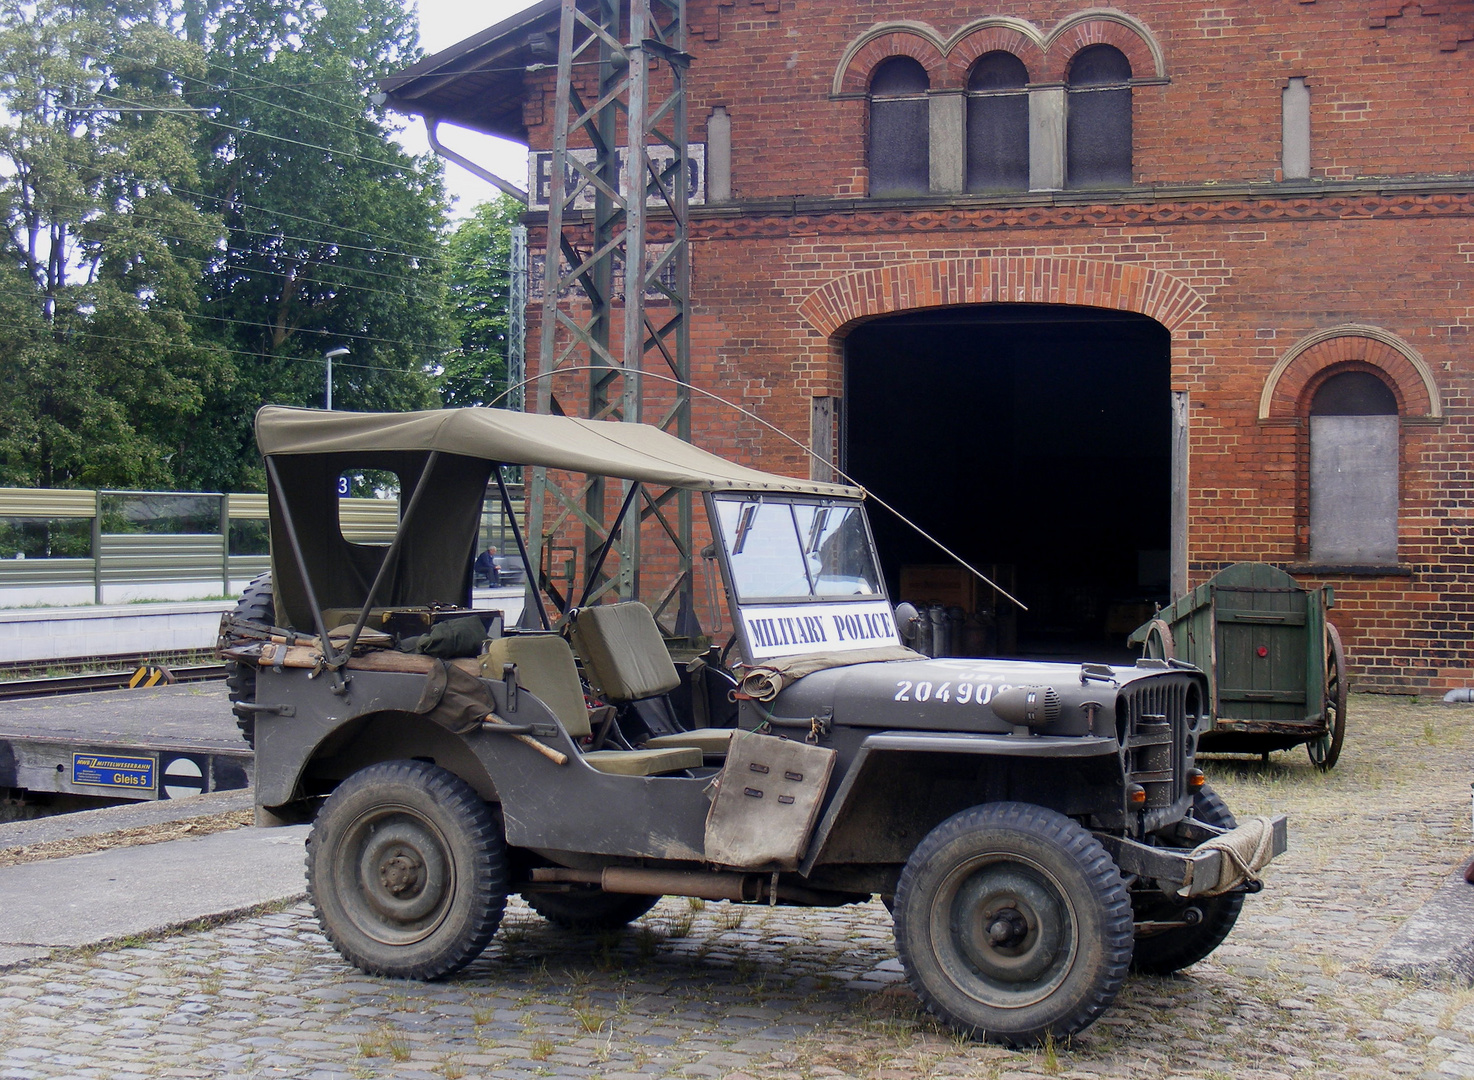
x,y
950,693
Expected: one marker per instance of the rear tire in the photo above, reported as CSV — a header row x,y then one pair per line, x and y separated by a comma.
x,y
590,909
258,604
1173,950
1013,924
407,870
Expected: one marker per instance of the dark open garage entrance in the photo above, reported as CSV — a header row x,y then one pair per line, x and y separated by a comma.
x,y
1034,439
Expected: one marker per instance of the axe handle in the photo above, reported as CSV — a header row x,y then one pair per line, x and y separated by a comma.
x,y
557,757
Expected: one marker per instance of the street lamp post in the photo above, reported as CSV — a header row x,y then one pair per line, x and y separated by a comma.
x,y
341,350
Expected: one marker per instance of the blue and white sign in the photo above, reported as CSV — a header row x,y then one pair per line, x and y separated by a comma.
x,y
794,629
113,771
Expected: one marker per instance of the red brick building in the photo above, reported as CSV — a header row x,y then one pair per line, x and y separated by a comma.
x,y
1109,297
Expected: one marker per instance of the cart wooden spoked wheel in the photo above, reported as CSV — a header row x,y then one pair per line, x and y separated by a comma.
x,y
1325,748
1158,644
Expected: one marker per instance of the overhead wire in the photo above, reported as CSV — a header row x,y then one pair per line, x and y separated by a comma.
x,y
264,232
213,346
317,276
352,155
436,350
779,431
347,154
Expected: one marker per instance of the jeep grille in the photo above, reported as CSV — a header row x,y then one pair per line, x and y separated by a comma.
x,y
1152,724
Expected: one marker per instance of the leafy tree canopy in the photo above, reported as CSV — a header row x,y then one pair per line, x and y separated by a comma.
x,y
199,199
480,257
102,248
335,235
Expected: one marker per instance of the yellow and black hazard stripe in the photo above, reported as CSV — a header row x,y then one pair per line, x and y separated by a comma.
x,y
150,675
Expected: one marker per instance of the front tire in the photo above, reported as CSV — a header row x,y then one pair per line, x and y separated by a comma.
x,y
590,909
1013,924
1173,950
407,871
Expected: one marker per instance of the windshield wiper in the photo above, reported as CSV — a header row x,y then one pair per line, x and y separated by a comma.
x,y
816,530
744,526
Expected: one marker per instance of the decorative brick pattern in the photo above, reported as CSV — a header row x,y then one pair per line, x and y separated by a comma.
x,y
947,61
988,39
1082,35
899,42
1291,393
941,283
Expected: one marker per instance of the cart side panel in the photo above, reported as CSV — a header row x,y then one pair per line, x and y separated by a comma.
x,y
1192,631
1262,644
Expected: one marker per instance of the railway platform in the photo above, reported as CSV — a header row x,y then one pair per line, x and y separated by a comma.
x,y
158,743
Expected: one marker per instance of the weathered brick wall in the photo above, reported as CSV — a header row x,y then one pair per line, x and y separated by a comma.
x,y
1240,279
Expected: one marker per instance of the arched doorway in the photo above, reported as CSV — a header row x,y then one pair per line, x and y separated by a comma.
x,y
1031,438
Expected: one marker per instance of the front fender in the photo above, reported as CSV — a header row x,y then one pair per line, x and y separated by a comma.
x,y
901,784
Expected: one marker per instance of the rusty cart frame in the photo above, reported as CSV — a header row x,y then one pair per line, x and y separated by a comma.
x,y
1275,666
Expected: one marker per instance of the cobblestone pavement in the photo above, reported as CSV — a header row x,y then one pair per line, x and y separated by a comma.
x,y
719,990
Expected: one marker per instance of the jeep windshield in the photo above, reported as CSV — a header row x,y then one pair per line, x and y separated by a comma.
x,y
782,550
803,574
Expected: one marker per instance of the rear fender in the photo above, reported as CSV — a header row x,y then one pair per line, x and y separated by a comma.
x,y
327,737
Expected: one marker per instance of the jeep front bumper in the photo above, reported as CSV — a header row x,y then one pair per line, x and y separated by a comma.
x,y
1222,861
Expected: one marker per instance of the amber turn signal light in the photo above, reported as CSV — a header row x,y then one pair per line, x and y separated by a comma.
x,y
1136,795
1195,778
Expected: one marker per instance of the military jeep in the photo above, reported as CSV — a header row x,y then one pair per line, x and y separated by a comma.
x,y
1036,829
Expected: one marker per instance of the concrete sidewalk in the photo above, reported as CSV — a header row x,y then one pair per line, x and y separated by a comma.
x,y
140,890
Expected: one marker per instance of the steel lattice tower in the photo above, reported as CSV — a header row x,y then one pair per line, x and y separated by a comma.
x,y
619,160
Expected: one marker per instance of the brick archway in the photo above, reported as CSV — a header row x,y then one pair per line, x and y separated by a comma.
x,y
1350,345
906,286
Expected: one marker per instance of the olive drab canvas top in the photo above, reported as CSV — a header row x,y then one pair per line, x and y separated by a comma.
x,y
638,452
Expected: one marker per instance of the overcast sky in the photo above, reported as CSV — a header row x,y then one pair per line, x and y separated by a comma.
x,y
442,24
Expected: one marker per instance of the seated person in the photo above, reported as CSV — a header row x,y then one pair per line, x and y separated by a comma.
x,y
484,571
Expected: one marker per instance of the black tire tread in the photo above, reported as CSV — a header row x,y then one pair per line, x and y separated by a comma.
x,y
258,604
1173,950
1094,862
489,874
590,911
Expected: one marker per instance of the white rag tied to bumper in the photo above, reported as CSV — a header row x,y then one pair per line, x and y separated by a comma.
x,y
1243,852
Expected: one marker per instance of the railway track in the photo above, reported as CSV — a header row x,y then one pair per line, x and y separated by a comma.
x,y
50,685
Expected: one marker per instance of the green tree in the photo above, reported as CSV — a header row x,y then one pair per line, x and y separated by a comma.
x,y
480,257
335,235
103,246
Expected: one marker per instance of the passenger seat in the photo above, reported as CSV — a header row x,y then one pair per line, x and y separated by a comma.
x,y
545,667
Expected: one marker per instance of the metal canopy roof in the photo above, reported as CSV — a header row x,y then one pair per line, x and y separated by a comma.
x,y
627,451
478,83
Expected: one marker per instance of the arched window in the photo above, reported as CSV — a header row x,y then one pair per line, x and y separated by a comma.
x,y
1098,121
998,124
900,144
1353,470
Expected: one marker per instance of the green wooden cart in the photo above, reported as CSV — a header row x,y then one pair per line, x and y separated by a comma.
x,y
1273,660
